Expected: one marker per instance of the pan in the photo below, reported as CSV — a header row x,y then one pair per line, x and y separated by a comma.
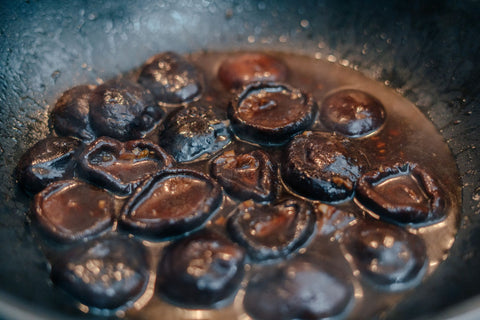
x,y
426,51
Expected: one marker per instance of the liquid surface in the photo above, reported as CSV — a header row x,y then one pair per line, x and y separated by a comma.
x,y
406,135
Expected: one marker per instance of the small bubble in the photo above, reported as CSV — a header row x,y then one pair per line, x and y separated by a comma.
x,y
92,16
251,39
344,62
331,58
387,82
321,45
318,55
83,308
304,23
283,38
84,65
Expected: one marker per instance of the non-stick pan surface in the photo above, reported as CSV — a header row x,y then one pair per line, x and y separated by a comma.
x,y
427,51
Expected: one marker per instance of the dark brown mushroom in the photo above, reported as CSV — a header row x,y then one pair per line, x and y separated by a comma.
x,y
171,78
49,160
70,210
245,176
387,256
271,231
299,289
271,113
352,113
321,166
172,203
244,68
71,113
202,270
106,273
402,193
195,132
123,110
122,166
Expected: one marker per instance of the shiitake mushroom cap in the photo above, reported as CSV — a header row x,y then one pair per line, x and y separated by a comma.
x,y
298,289
352,113
171,78
105,273
172,203
388,257
195,132
243,68
71,210
244,176
201,270
269,113
123,110
70,114
403,193
122,166
321,166
271,231
49,160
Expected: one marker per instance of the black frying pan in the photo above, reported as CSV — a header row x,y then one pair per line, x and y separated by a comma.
x,y
427,51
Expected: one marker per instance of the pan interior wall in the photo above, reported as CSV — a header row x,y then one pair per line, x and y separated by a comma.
x,y
426,51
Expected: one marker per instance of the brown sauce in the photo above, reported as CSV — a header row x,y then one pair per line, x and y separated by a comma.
x,y
406,135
